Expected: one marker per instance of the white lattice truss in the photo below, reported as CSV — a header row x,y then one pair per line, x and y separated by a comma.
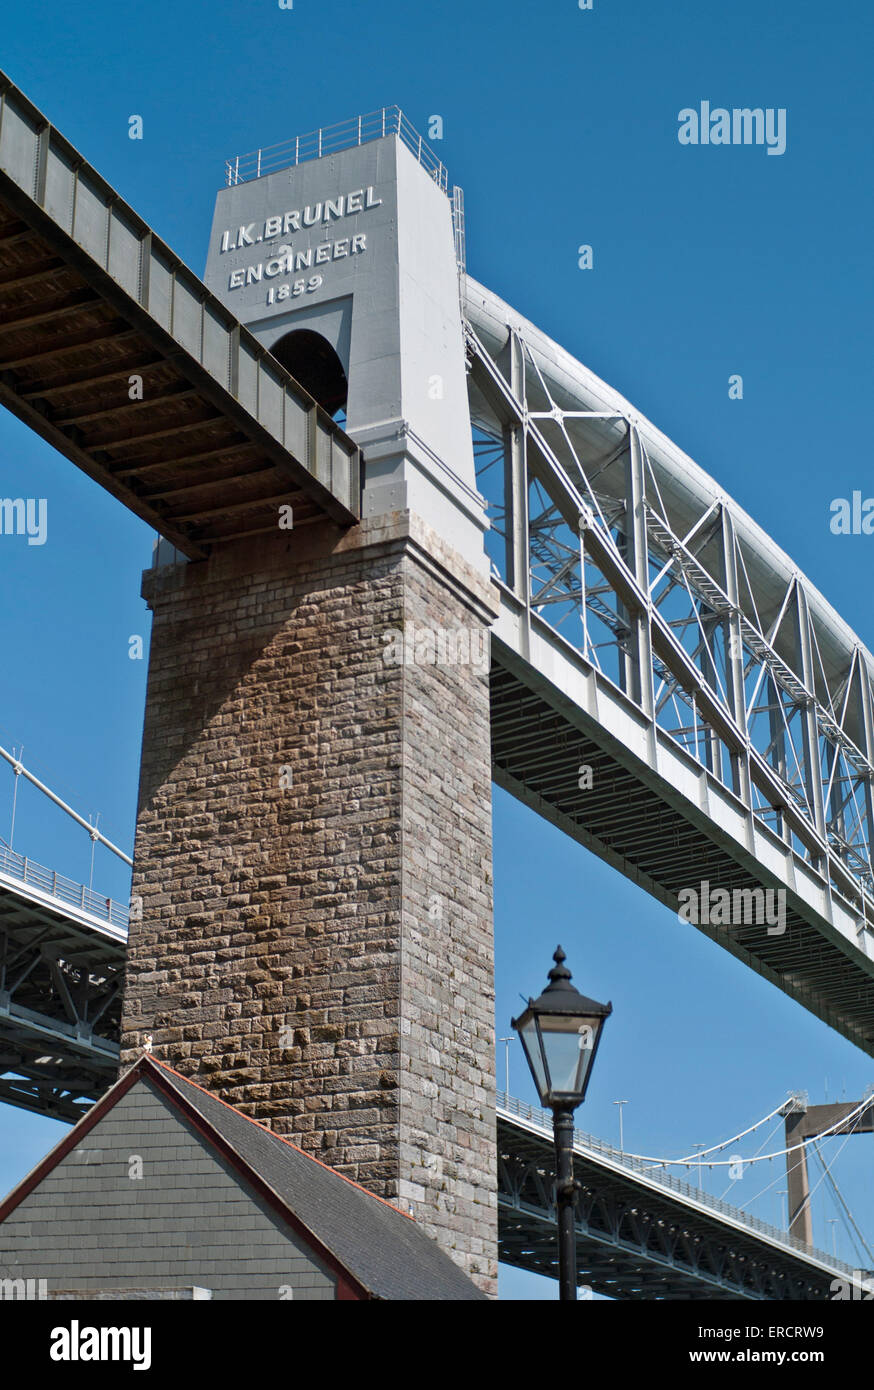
x,y
633,556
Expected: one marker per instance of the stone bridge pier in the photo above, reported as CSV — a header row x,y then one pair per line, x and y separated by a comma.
x,y
312,939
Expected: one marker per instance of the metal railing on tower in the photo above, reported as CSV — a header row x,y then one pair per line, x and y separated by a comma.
x,y
360,130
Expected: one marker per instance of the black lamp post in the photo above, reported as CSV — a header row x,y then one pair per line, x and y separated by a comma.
x,y
560,1033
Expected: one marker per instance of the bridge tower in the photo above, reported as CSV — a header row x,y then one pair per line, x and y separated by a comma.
x,y
804,1122
313,928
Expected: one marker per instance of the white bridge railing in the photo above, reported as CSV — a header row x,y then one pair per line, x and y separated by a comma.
x,y
66,890
543,1122
388,120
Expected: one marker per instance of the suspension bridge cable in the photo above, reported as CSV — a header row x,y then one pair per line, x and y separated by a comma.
x,y
790,1168
766,1140
809,1198
842,1218
837,1191
65,789
692,1159
714,1148
95,834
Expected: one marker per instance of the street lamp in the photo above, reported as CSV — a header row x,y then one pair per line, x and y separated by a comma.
x,y
560,1033
833,1221
506,1042
620,1103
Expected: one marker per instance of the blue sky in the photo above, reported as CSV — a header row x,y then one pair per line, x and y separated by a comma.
x,y
561,125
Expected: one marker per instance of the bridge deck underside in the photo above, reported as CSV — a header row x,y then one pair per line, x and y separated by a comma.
x,y
632,1242
181,453
60,1003
627,821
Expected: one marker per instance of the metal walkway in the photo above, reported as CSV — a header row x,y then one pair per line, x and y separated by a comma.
x,y
642,1234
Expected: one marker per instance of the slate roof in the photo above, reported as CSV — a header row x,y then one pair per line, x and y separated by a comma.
x,y
382,1248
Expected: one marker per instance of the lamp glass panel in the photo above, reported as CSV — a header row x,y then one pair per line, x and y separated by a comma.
x,y
531,1043
568,1043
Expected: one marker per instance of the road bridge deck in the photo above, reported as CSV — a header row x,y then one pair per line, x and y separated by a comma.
x,y
62,956
642,1233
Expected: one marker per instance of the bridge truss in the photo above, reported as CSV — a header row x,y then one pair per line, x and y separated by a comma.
x,y
666,686
62,958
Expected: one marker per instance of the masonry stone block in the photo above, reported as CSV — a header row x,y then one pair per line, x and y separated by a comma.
x,y
313,854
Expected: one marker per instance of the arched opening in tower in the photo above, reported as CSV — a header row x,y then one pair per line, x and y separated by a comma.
x,y
313,362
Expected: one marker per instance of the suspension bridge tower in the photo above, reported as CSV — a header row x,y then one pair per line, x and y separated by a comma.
x,y
312,935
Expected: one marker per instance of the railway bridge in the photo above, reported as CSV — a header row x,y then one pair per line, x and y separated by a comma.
x,y
337,445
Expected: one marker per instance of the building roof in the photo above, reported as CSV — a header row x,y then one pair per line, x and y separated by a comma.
x,y
383,1251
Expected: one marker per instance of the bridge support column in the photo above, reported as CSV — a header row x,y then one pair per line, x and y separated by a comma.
x,y
798,1194
313,858
797,1183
